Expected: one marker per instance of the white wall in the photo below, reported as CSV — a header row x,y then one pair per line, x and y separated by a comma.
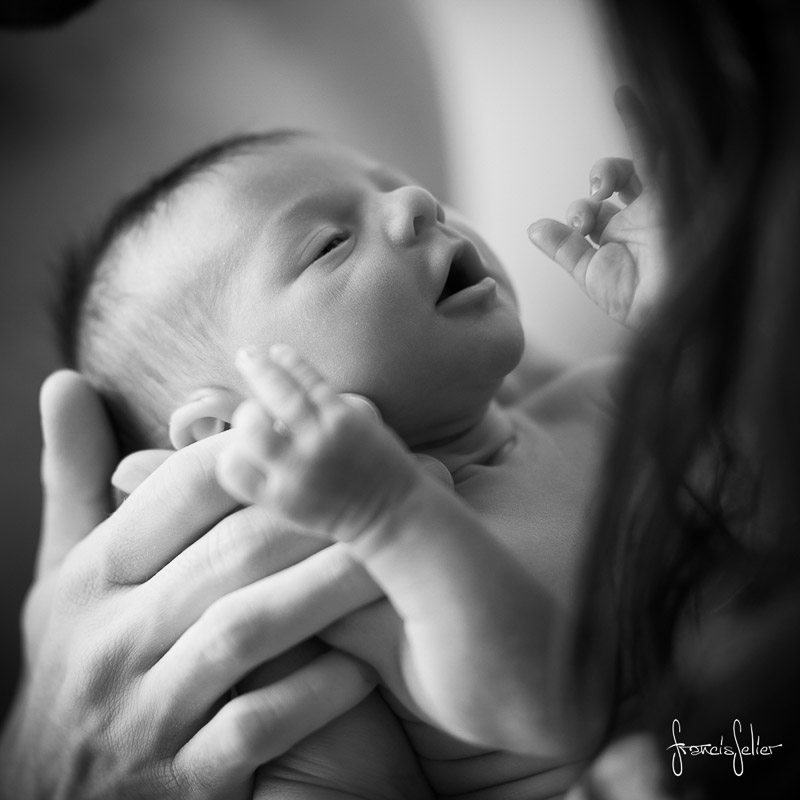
x,y
527,89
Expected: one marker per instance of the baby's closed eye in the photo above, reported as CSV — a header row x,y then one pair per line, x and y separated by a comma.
x,y
331,244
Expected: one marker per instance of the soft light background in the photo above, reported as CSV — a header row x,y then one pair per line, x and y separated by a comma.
x,y
500,106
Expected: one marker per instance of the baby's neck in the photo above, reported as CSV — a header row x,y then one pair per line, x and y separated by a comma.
x,y
480,441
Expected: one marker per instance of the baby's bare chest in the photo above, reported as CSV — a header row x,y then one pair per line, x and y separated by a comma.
x,y
538,499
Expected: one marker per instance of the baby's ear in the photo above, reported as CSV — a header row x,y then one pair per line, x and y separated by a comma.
x,y
205,413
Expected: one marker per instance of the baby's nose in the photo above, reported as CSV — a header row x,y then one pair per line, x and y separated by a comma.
x,y
409,211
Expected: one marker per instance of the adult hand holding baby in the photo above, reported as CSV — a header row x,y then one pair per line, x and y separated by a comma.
x,y
127,678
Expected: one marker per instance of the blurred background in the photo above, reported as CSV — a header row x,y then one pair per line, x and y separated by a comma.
x,y
498,106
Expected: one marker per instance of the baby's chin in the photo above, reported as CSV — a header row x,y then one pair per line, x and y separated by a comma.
x,y
445,408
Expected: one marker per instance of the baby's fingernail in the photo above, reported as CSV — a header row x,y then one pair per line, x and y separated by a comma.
x,y
594,185
280,352
246,356
576,222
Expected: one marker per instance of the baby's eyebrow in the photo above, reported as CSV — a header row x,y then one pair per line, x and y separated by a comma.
x,y
305,205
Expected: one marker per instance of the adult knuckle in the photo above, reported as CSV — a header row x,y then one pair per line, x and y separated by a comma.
x,y
227,633
144,628
187,472
96,675
561,240
602,166
238,540
81,577
175,782
253,727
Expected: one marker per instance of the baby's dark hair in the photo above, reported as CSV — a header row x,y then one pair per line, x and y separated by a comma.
x,y
117,340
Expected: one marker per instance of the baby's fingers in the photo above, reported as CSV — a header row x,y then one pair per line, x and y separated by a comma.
x,y
255,441
240,477
610,175
289,389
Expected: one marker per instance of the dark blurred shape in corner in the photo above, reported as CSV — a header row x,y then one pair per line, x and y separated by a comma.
x,y
39,13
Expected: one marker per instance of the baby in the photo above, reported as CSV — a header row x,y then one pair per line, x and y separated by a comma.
x,y
288,238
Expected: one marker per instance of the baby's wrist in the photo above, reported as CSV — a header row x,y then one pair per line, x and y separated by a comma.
x,y
400,520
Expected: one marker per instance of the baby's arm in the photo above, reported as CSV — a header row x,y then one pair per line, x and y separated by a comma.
x,y
477,631
622,265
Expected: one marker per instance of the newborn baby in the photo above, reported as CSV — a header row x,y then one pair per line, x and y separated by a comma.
x,y
288,238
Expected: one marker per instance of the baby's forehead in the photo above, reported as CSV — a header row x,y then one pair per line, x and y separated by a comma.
x,y
301,165
272,177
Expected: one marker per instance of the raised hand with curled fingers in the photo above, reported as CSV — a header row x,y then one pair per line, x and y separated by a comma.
x,y
616,254
302,450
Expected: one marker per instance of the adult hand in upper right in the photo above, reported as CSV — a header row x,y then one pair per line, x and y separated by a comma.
x,y
617,255
139,624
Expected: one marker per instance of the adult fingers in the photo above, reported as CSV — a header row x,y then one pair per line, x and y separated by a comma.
x,y
78,458
590,217
640,132
258,726
372,634
614,175
255,623
628,769
362,404
244,547
565,245
607,274
171,508
133,469
611,280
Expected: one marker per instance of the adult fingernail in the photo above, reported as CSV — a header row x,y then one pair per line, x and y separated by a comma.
x,y
594,185
435,470
533,230
127,476
362,403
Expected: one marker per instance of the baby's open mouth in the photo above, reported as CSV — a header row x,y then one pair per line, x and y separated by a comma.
x,y
466,269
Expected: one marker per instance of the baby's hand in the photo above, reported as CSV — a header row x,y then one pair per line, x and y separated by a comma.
x,y
301,450
622,265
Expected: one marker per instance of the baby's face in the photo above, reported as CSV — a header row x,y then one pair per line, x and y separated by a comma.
x,y
364,274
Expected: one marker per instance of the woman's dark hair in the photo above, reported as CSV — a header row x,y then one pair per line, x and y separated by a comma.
x,y
701,495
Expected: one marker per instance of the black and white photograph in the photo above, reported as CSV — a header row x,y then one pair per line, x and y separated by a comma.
x,y
399,399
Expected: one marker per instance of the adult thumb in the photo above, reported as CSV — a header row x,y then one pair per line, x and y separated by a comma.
x,y
77,460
